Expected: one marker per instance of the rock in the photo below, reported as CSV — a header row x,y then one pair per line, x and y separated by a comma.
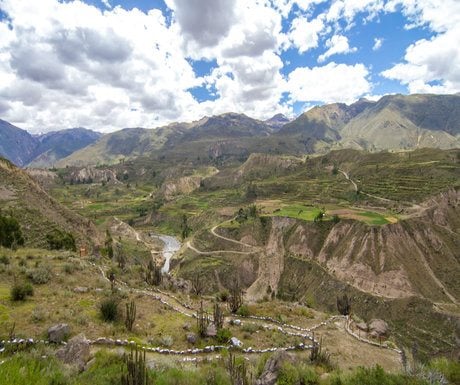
x,y
272,367
211,330
236,342
191,338
362,326
378,328
58,333
76,352
80,289
237,322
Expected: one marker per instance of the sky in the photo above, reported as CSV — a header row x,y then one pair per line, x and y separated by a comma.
x,y
111,64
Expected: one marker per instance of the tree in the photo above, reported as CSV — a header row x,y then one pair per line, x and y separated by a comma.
x,y
10,232
58,240
320,216
235,300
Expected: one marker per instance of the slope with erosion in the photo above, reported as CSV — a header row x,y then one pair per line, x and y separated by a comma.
x,y
37,212
413,263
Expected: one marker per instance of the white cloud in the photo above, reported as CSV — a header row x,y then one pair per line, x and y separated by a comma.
x,y
378,41
337,44
330,83
430,66
427,61
304,34
65,64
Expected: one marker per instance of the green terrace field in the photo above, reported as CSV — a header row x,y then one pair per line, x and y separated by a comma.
x,y
98,202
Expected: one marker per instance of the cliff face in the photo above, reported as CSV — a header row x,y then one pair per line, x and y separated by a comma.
x,y
415,257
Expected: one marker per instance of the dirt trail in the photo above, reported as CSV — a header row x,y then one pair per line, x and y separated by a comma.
x,y
190,246
213,232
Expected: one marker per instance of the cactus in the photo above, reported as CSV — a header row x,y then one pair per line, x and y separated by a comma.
x,y
202,319
218,316
135,371
130,315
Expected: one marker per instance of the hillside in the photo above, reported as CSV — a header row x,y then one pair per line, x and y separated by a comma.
x,y
23,149
15,144
37,212
406,122
59,144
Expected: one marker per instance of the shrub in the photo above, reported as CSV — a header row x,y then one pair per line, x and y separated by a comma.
x,y
69,268
243,311
109,309
19,291
223,335
10,232
450,369
4,260
166,341
40,275
58,240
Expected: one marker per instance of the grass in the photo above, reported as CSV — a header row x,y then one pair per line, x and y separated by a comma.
x,y
297,211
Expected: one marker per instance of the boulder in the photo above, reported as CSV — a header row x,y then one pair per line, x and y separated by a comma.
x,y
211,330
236,342
191,338
58,333
76,352
272,367
378,328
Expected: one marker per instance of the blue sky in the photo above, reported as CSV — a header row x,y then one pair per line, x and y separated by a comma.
x,y
109,64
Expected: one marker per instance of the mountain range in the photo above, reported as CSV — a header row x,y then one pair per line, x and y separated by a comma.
x,y
24,149
395,122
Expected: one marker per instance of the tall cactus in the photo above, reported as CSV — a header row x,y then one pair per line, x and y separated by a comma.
x,y
130,315
218,316
135,370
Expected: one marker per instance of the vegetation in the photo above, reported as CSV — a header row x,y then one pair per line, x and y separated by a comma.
x,y
130,316
109,309
10,232
21,290
61,240
135,370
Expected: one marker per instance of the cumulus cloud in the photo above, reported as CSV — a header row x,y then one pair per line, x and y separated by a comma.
x,y
337,44
304,34
330,83
430,65
427,61
204,22
70,63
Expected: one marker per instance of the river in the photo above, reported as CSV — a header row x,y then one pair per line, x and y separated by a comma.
x,y
171,246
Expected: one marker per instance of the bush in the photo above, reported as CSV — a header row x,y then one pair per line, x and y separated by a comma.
x,y
223,335
166,341
10,232
109,309
4,260
20,291
58,240
69,268
40,275
243,311
450,369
